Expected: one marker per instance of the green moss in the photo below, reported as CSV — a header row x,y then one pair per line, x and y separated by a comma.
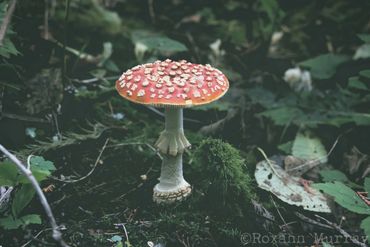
x,y
222,177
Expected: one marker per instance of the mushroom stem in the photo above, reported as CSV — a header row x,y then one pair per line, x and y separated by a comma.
x,y
172,143
172,140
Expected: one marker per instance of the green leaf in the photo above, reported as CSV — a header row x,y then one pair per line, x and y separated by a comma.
x,y
9,223
367,185
22,198
309,147
355,82
282,115
365,73
344,196
40,163
262,96
365,225
333,175
364,37
157,42
8,173
325,244
40,169
324,66
39,174
116,238
7,48
286,147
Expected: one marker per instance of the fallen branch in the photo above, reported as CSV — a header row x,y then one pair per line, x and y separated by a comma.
x,y
311,221
341,231
6,20
57,235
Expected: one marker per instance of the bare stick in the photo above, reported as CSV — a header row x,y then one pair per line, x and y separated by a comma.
x,y
57,235
268,162
311,221
341,231
6,20
151,10
36,236
90,172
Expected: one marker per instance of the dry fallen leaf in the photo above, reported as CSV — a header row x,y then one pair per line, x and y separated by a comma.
x,y
289,188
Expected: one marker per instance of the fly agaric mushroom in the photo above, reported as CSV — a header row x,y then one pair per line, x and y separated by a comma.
x,y
173,86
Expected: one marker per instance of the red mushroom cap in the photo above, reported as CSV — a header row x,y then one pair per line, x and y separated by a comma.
x,y
170,83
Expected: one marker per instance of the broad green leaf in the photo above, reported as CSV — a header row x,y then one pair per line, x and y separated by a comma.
x,y
355,82
364,37
157,42
22,198
333,175
8,173
40,163
235,30
116,238
262,96
120,244
309,147
344,196
39,174
324,66
365,225
9,223
282,115
365,73
286,147
367,185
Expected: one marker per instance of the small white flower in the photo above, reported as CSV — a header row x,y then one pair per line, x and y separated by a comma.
x,y
299,80
140,50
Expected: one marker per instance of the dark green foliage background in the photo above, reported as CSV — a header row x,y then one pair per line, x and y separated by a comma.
x,y
58,65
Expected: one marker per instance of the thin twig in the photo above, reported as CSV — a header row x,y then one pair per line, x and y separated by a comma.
x,y
311,221
138,143
95,79
57,235
151,10
24,118
124,229
268,161
90,172
341,231
277,209
36,236
6,20
46,20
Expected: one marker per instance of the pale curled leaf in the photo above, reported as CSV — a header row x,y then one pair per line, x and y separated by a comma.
x,y
289,189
